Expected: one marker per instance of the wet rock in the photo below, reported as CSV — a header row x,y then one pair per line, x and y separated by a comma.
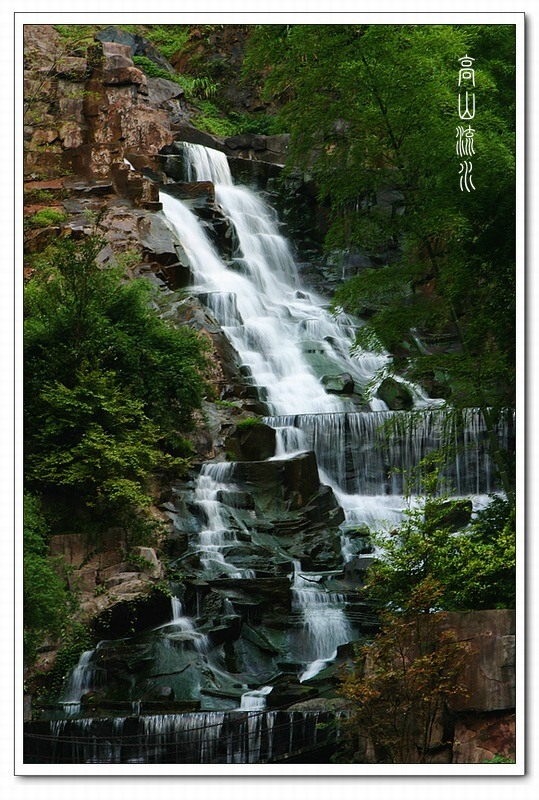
x,y
252,443
339,384
185,132
355,569
236,498
453,514
286,692
395,394
293,481
200,193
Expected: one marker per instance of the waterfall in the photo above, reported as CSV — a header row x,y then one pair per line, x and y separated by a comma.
x,y
198,738
218,536
374,452
267,320
255,700
181,628
293,348
86,676
325,626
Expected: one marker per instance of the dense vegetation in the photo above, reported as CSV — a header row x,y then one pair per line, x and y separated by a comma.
x,y
110,387
372,110
110,390
45,599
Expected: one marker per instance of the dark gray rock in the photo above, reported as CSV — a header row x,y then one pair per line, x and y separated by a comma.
x,y
252,443
395,394
339,384
139,45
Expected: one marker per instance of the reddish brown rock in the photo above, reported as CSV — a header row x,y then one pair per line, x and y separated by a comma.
x,y
74,547
83,580
490,670
479,738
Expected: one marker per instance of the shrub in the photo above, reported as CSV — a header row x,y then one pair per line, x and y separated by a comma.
x,y
45,599
110,387
249,422
46,217
398,687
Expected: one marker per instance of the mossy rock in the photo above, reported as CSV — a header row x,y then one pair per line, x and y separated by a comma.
x,y
395,395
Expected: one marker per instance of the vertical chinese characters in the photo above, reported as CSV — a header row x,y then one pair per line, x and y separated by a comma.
x,y
466,109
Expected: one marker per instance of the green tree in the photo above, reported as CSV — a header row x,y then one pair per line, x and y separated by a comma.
x,y
110,388
45,599
94,444
399,686
473,567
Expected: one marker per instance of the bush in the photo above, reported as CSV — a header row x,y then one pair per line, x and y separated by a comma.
x,y
249,422
474,567
399,685
45,599
46,217
110,387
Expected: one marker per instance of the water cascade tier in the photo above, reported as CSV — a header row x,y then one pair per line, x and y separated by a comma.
x,y
209,738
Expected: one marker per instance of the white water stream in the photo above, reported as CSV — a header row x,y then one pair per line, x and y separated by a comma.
x,y
287,337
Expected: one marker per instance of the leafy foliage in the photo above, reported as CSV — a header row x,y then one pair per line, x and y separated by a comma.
x,y
473,568
168,39
249,422
110,387
46,217
45,599
399,685
372,111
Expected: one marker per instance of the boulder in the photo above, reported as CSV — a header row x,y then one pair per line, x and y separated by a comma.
x,y
480,738
154,568
134,44
252,443
395,395
161,92
290,482
144,610
185,132
339,384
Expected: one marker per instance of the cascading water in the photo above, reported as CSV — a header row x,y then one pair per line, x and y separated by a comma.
x,y
255,700
181,628
85,677
218,536
198,738
293,347
324,621
285,336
